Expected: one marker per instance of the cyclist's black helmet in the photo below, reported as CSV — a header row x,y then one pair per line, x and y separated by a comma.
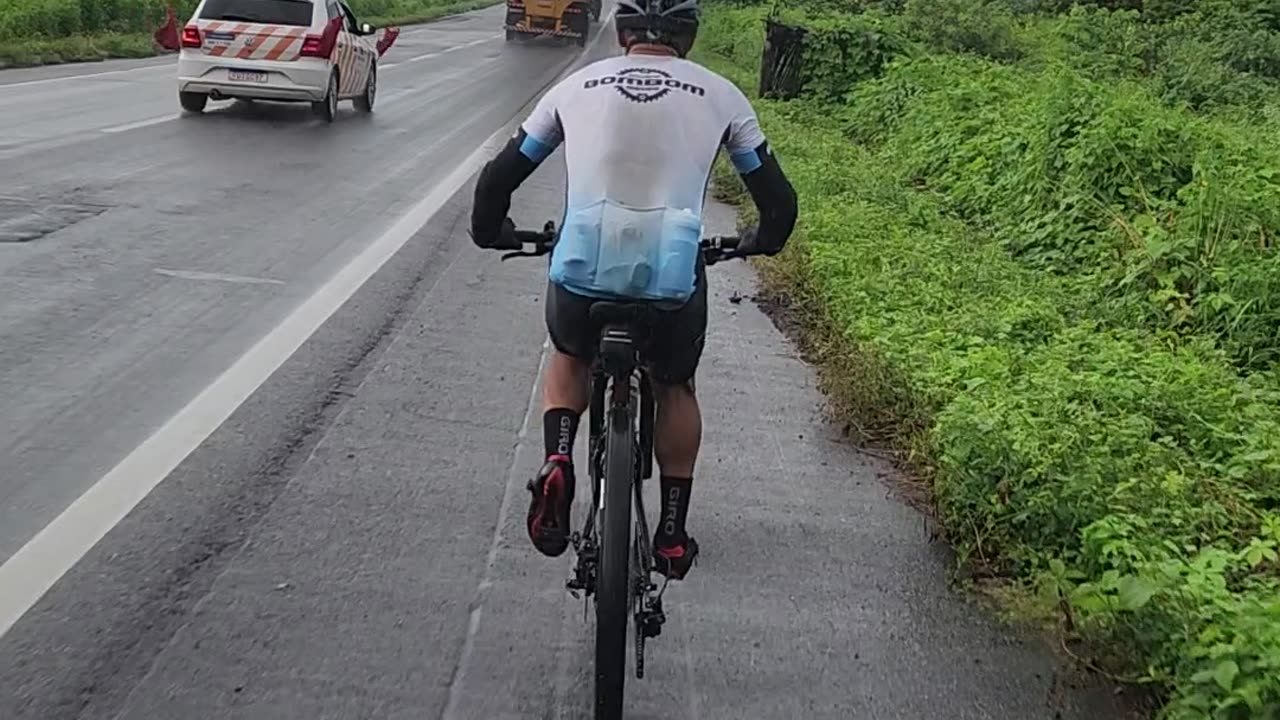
x,y
673,23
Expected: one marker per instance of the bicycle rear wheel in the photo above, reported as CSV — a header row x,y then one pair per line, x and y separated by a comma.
x,y
613,580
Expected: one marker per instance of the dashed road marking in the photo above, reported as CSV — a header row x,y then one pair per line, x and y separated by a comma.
x,y
139,124
218,277
438,53
27,575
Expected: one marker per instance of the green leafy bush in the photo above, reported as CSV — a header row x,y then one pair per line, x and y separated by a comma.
x,y
1168,218
45,18
24,19
1061,294
842,49
984,27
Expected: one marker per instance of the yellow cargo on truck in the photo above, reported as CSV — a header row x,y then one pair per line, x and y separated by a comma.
x,y
569,19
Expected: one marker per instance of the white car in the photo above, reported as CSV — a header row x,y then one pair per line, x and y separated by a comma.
x,y
291,50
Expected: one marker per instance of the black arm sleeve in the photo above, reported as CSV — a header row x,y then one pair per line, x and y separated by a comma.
x,y
774,198
498,180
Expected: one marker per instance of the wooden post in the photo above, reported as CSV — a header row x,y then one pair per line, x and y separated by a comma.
x,y
782,60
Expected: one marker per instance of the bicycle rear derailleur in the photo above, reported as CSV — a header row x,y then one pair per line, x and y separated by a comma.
x,y
584,569
649,618
649,615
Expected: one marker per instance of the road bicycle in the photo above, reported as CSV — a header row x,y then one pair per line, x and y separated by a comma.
x,y
614,556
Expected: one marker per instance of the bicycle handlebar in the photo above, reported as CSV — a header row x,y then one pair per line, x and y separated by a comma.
x,y
714,249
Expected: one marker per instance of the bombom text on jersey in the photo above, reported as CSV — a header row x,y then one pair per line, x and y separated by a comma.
x,y
643,82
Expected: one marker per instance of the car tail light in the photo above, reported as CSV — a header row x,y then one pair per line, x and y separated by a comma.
x,y
191,37
322,45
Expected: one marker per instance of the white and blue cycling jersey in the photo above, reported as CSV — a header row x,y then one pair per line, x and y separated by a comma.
x,y
640,136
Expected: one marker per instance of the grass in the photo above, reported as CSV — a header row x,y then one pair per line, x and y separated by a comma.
x,y
78,48
1003,268
96,46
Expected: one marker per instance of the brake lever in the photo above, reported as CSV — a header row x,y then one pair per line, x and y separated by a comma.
x,y
519,253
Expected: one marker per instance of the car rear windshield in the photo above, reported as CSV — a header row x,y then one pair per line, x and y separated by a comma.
x,y
267,12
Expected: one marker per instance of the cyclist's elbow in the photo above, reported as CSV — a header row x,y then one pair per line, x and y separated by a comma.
x,y
490,204
778,212
774,198
503,174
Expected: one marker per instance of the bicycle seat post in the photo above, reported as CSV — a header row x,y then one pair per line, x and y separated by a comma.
x,y
618,352
622,328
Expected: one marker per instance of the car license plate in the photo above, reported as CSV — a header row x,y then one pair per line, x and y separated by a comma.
x,y
248,76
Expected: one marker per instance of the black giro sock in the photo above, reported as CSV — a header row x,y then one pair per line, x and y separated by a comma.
x,y
559,428
675,509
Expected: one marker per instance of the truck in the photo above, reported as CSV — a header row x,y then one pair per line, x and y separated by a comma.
x,y
562,19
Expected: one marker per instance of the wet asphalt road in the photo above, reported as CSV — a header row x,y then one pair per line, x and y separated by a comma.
x,y
349,543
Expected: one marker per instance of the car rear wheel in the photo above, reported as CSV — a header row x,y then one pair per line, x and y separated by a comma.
x,y
327,109
193,102
364,103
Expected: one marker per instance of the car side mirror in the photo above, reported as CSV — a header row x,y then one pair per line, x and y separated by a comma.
x,y
367,29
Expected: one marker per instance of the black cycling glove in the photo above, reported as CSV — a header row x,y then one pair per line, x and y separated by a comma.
x,y
749,243
504,239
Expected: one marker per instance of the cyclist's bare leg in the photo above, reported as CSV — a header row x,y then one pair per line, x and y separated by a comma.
x,y
677,436
677,432
565,385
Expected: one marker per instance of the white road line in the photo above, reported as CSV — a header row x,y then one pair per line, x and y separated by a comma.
x,y
35,567
218,277
66,78
458,680
438,53
87,76
140,124
29,573
389,96
495,544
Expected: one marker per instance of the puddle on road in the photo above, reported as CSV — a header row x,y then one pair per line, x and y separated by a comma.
x,y
22,221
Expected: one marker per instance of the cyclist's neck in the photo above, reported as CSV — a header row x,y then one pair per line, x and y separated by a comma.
x,y
651,50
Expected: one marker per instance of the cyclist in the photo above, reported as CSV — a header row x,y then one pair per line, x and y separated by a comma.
x,y
641,132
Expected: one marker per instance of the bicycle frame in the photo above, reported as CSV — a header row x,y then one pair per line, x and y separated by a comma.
x,y
621,419
621,391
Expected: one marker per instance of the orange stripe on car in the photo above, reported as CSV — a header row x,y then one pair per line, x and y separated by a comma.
x,y
257,49
220,50
284,43
281,40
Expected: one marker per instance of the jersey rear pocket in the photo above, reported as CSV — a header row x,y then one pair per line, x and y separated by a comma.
x,y
645,254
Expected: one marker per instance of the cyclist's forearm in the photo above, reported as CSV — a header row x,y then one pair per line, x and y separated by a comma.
x,y
775,200
499,178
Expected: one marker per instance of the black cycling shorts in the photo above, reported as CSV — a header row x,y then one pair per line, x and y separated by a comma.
x,y
673,348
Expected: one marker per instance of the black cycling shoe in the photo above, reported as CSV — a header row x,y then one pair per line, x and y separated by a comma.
x,y
676,560
548,520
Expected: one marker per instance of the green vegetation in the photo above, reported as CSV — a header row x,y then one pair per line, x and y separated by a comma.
x,y
399,12
1037,253
37,32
